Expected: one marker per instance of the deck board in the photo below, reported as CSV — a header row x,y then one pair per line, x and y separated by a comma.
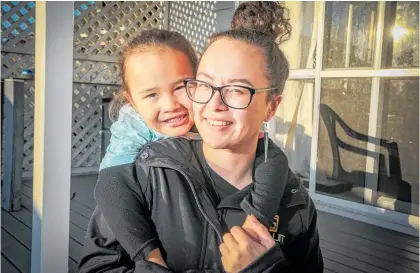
x,y
25,217
371,232
15,252
351,262
7,267
76,217
338,267
348,246
23,234
343,243
16,226
358,255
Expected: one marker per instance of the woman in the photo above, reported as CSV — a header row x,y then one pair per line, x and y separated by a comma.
x,y
184,196
153,105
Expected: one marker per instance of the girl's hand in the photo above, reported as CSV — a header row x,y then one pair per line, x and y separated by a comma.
x,y
156,257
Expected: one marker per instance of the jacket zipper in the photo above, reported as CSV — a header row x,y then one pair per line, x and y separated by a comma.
x,y
200,206
204,245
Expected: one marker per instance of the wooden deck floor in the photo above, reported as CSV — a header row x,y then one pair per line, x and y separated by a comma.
x,y
348,246
16,226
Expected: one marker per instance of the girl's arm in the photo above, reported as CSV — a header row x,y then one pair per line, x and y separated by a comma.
x,y
129,135
102,252
122,197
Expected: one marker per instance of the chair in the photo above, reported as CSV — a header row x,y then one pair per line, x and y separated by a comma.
x,y
390,181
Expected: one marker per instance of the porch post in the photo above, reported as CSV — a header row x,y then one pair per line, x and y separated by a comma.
x,y
13,143
52,136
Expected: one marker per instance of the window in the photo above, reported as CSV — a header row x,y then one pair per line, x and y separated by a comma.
x,y
364,127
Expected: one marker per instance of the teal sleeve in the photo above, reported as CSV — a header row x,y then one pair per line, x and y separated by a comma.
x,y
129,135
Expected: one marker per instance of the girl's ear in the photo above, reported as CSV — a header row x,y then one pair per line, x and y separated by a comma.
x,y
128,96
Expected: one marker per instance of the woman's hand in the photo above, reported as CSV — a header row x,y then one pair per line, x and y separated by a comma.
x,y
239,249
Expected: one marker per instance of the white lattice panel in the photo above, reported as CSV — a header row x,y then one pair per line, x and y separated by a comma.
x,y
84,71
96,72
102,28
18,26
195,20
86,125
12,64
28,124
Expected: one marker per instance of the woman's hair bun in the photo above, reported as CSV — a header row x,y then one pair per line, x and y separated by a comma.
x,y
271,18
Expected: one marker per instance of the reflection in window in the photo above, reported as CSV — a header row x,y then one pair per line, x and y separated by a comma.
x,y
350,30
293,121
398,184
300,49
401,35
344,115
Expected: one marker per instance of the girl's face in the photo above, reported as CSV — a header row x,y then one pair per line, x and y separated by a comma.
x,y
231,62
154,79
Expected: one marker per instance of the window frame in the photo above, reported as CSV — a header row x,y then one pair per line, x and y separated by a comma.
x,y
367,211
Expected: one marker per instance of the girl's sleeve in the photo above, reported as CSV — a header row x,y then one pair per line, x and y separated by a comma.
x,y
123,199
129,135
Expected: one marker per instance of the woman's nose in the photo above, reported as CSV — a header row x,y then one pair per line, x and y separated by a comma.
x,y
216,103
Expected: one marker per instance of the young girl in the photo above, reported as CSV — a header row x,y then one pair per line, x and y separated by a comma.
x,y
154,105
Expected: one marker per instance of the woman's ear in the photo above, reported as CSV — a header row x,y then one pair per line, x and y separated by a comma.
x,y
273,105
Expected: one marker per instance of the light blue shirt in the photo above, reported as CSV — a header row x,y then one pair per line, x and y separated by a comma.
x,y
129,135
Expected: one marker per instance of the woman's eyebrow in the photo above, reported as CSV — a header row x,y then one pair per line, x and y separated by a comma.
x,y
205,75
230,81
244,81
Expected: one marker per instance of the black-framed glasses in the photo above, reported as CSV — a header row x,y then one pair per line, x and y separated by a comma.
x,y
234,96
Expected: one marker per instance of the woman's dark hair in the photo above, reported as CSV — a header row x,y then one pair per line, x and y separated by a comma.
x,y
264,25
147,40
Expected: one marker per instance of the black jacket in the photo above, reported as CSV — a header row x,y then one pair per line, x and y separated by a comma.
x,y
166,185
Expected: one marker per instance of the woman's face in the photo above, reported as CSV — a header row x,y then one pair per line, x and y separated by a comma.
x,y
154,79
230,62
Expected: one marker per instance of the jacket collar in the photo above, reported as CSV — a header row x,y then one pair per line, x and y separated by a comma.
x,y
292,196
179,154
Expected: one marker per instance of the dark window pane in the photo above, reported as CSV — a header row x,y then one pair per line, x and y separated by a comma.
x,y
349,37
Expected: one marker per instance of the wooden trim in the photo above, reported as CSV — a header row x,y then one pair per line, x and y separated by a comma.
x,y
13,143
368,214
74,172
166,6
375,115
317,96
82,57
302,74
370,72
96,58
